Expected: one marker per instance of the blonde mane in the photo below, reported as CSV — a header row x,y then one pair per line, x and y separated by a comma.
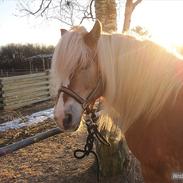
x,y
140,75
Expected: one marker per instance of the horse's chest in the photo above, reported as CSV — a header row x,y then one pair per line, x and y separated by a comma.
x,y
158,146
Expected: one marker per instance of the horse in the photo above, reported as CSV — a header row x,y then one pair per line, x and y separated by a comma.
x,y
140,83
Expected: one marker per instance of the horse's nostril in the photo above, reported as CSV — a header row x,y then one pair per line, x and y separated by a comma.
x,y
69,117
67,121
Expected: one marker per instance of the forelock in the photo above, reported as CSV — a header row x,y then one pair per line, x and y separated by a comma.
x,y
72,53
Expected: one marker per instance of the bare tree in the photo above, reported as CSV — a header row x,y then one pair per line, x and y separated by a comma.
x,y
129,8
68,12
72,12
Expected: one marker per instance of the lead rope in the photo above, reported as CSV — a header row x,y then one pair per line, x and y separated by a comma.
x,y
93,133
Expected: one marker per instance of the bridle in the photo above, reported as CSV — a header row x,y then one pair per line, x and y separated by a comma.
x,y
90,120
85,103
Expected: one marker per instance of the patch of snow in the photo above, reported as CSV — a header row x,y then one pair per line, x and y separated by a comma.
x,y
29,120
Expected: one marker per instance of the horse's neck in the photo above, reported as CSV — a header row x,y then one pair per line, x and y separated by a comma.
x,y
167,126
159,144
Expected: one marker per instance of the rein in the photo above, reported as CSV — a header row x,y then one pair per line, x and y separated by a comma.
x,y
93,134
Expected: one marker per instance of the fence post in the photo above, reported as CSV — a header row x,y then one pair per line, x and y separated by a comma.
x,y
1,72
48,74
1,95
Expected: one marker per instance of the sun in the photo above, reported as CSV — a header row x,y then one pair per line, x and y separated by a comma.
x,y
163,20
170,33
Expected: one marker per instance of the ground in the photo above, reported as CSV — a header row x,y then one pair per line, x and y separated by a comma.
x,y
50,160
10,136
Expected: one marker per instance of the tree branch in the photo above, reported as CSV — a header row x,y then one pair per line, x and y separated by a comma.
x,y
64,10
136,3
61,20
33,13
47,6
89,14
28,141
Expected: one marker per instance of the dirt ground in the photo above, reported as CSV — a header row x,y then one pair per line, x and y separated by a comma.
x,y
50,160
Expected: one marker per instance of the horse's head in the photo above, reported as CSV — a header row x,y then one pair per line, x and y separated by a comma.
x,y
77,66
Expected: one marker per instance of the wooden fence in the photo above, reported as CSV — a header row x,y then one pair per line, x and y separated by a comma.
x,y
19,91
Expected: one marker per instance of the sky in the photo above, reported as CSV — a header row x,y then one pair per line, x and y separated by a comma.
x,y
162,18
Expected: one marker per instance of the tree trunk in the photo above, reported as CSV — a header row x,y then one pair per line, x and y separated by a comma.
x,y
111,158
116,159
128,14
106,12
130,6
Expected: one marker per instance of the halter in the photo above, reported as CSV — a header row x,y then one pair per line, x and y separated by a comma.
x,y
91,123
84,102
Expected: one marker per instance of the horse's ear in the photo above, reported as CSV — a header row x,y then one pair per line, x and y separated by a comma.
x,y
63,31
92,37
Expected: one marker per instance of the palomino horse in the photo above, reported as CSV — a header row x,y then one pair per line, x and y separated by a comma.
x,y
140,82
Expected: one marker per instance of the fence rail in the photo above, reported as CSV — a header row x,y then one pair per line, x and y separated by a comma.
x,y
20,91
